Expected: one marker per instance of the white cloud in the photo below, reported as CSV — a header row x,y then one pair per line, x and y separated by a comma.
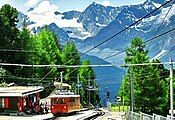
x,y
31,3
106,3
43,14
45,7
3,2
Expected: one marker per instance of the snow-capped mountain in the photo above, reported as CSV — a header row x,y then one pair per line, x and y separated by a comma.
x,y
98,23
78,25
97,16
145,29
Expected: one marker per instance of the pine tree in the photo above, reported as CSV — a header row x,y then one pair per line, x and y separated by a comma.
x,y
48,52
23,44
150,95
87,76
9,35
70,56
155,90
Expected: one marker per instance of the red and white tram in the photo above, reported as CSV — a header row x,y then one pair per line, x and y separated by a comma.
x,y
64,103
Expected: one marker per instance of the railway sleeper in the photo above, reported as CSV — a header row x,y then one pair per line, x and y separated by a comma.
x,y
93,116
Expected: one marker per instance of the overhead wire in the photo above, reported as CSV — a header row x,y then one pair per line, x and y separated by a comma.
x,y
46,75
126,28
135,32
72,70
155,35
162,77
147,15
123,30
82,45
107,82
159,27
144,42
78,66
10,50
96,20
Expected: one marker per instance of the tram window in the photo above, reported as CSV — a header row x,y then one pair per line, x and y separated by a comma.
x,y
77,101
54,101
62,101
72,100
2,103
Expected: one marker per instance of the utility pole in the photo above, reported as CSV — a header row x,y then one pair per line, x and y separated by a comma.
x,y
89,90
171,88
123,101
61,80
132,93
78,82
94,92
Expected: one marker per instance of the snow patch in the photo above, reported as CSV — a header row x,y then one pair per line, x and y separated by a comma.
x,y
164,12
148,6
152,18
107,52
101,25
164,50
96,18
80,33
156,5
160,55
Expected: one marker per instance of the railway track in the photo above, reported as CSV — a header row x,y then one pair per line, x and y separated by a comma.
x,y
83,115
93,116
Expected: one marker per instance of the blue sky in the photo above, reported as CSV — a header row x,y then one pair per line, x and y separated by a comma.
x,y
66,5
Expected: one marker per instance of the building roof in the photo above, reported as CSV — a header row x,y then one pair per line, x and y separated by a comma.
x,y
63,96
19,91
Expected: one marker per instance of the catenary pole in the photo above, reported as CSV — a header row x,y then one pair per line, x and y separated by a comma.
x,y
61,80
171,88
89,90
78,83
132,93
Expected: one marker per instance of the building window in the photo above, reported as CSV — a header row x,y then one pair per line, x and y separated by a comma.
x,y
24,102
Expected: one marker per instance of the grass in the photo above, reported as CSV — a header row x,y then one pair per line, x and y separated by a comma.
x,y
119,108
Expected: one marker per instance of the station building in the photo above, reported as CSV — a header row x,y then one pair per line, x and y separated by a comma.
x,y
17,98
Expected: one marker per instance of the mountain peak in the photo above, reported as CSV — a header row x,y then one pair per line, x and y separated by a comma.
x,y
97,4
57,13
32,8
94,3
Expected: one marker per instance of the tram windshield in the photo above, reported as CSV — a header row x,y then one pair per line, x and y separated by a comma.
x,y
54,101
